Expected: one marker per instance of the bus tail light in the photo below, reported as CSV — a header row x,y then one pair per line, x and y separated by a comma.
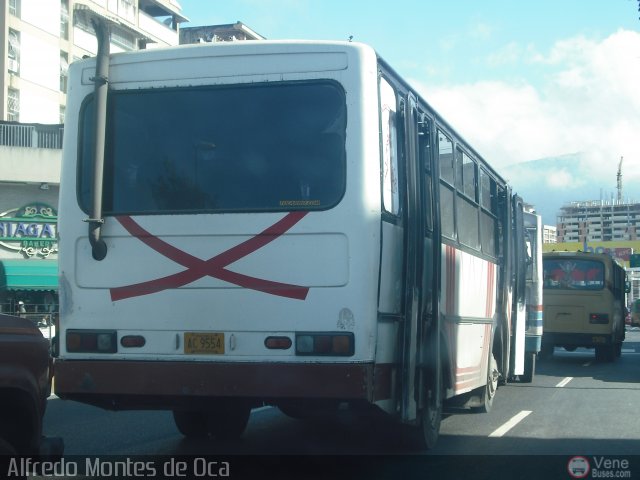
x,y
278,343
133,341
599,318
329,344
91,341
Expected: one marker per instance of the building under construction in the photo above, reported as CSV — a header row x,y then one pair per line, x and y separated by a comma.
x,y
599,220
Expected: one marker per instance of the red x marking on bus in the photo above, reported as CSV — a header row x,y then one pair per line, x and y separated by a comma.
x,y
214,267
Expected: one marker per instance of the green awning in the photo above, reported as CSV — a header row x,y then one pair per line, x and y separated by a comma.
x,y
31,274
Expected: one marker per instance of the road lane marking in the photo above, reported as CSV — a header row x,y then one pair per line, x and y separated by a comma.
x,y
588,364
564,382
510,424
628,350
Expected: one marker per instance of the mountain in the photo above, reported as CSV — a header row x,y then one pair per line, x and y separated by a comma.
x,y
549,183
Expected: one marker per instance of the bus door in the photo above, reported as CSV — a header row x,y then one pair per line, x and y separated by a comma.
x,y
420,346
519,315
505,279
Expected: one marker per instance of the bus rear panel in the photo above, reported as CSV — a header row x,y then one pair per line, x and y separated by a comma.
x,y
230,268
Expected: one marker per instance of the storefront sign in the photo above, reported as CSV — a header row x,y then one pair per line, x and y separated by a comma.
x,y
31,230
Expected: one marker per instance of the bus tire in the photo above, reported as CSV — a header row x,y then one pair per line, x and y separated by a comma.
x,y
6,448
293,411
489,390
309,409
605,353
191,424
529,368
228,419
425,435
547,351
618,350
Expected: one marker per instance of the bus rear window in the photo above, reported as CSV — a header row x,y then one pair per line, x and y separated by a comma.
x,y
259,147
573,274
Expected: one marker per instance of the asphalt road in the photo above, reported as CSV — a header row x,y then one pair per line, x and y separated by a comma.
x,y
574,406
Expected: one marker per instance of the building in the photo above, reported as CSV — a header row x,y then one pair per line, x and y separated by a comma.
x,y
602,221
218,33
549,234
30,157
41,38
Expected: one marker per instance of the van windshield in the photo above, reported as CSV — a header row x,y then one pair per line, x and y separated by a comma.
x,y
261,147
574,274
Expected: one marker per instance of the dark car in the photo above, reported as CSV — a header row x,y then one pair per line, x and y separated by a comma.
x,y
26,370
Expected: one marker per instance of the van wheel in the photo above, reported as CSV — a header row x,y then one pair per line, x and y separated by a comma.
x,y
191,424
489,390
605,353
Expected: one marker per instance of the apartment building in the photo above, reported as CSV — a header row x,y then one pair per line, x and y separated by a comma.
x,y
598,221
40,39
549,234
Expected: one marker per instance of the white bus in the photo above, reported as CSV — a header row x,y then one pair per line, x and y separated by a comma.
x,y
283,223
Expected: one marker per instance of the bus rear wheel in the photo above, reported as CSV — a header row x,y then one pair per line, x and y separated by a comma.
x,y
425,435
547,351
529,368
489,390
191,424
228,419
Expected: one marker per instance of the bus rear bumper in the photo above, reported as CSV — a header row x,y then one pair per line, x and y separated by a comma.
x,y
120,385
587,340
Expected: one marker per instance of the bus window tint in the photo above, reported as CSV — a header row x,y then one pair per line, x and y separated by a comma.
x,y
573,274
447,195
264,148
390,194
445,152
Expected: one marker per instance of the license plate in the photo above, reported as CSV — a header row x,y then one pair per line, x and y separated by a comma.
x,y
204,343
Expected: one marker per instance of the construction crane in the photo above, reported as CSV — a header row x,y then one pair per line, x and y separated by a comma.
x,y
620,181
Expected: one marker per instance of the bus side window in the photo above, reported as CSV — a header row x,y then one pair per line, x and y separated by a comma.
x,y
389,140
488,211
447,192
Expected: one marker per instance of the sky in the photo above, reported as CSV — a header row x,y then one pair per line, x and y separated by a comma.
x,y
547,91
